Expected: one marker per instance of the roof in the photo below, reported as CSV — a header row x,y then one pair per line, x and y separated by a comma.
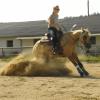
x,y
37,28
21,29
91,22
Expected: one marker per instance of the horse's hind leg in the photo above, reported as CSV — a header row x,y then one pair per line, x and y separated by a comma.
x,y
80,64
71,58
84,70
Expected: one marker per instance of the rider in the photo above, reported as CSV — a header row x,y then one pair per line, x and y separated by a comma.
x,y
55,29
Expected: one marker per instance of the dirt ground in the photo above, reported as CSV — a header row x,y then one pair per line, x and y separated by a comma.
x,y
71,87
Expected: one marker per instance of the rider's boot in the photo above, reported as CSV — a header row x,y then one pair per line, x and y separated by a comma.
x,y
54,50
59,49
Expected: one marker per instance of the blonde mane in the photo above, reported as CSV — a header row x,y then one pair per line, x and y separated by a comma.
x,y
76,31
86,31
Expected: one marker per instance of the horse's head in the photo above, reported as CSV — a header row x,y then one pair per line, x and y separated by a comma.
x,y
85,37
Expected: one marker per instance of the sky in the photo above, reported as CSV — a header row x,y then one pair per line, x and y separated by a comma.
x,y
32,10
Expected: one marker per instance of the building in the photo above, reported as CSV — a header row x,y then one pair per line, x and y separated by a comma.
x,y
17,36
92,23
95,44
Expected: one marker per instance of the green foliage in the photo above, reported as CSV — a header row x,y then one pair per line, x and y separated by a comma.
x,y
81,57
7,58
89,58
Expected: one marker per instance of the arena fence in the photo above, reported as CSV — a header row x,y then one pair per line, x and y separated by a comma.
x,y
9,51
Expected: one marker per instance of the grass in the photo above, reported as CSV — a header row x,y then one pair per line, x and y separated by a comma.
x,y
89,58
83,58
7,58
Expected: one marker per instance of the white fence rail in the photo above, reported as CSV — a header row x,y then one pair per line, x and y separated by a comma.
x,y
7,51
94,50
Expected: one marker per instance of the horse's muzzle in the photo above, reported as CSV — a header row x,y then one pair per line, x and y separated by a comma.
x,y
87,45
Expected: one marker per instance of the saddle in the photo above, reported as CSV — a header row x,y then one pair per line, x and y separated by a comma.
x,y
45,39
56,49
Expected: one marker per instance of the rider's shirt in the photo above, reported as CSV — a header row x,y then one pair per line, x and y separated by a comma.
x,y
53,22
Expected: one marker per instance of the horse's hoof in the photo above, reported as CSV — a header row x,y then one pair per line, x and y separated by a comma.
x,y
86,73
81,74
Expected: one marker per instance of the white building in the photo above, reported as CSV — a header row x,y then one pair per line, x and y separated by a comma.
x,y
15,37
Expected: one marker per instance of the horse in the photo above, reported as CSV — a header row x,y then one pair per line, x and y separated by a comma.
x,y
68,43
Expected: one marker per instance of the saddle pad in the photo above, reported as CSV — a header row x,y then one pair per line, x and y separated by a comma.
x,y
44,39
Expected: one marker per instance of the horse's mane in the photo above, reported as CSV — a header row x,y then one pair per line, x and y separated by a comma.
x,y
69,35
76,31
72,32
80,30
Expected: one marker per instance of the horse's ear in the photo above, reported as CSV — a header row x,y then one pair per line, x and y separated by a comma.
x,y
87,29
82,29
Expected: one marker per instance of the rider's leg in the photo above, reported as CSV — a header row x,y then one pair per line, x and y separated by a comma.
x,y
59,36
56,36
54,39
54,45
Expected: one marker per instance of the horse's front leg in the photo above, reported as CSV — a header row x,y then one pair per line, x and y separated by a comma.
x,y
80,64
71,58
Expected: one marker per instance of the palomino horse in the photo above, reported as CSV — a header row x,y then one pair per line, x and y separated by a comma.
x,y
68,43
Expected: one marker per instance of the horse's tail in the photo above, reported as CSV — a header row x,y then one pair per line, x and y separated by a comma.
x,y
35,46
42,50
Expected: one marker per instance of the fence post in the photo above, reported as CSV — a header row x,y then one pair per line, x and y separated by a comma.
x,y
3,53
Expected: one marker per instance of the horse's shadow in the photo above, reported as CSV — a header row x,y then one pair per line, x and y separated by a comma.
x,y
86,77
68,76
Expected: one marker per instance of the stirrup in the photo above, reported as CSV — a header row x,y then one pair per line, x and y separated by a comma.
x,y
53,51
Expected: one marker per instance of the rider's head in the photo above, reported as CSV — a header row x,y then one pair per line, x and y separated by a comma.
x,y
56,9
